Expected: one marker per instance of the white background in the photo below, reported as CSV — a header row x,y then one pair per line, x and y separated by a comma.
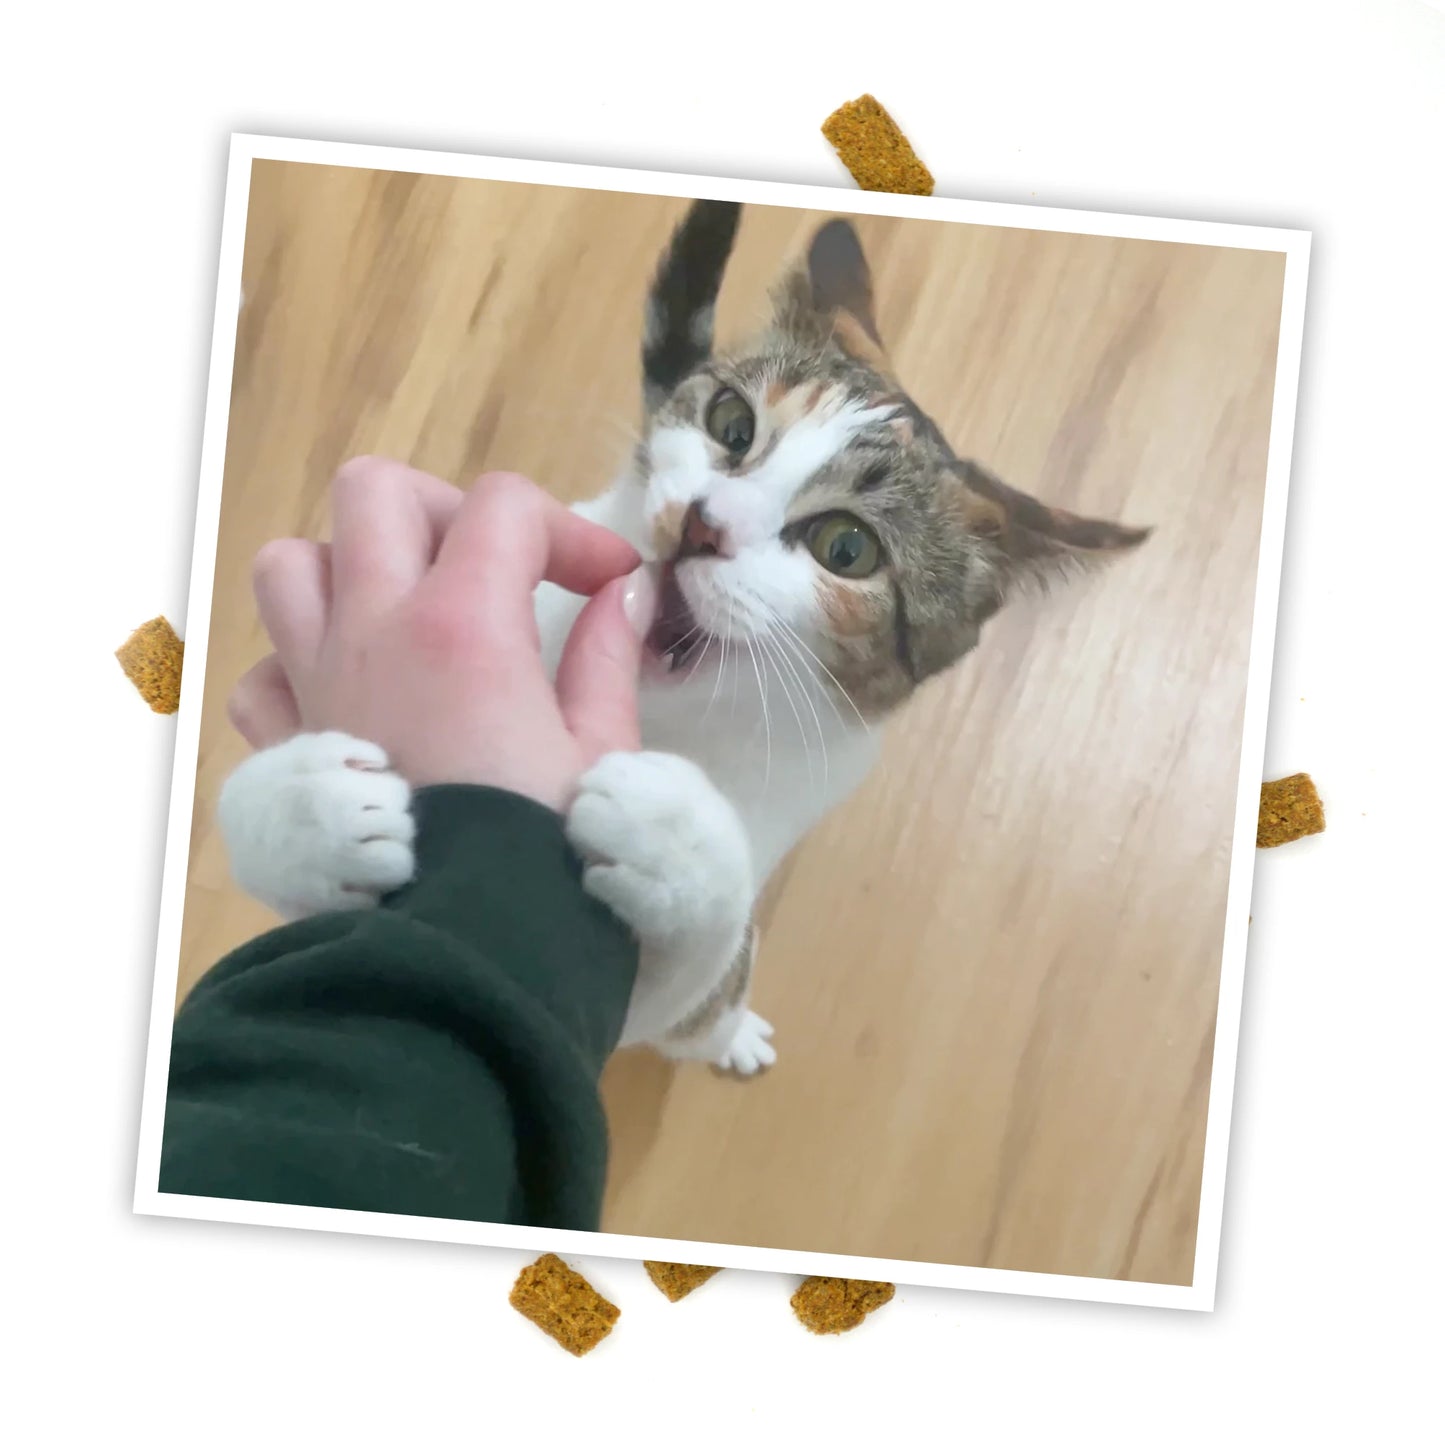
x,y
1324,116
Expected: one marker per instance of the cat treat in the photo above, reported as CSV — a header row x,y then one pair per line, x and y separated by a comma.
x,y
1289,808
677,1281
151,657
831,1306
562,1304
875,151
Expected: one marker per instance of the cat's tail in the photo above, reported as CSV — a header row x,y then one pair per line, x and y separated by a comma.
x,y
677,336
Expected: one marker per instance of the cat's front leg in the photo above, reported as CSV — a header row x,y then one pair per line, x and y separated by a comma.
x,y
321,823
669,856
317,823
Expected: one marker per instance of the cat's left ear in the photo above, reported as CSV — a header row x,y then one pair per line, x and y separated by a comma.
x,y
842,287
1036,542
830,296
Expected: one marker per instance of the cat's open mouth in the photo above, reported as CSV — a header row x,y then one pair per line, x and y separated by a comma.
x,y
676,637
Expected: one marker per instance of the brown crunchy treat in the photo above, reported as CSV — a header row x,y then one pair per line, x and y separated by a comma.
x,y
875,151
677,1281
151,658
562,1304
1288,809
830,1306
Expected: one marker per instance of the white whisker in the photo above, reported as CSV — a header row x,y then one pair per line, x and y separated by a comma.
x,y
770,654
790,635
778,641
827,672
767,725
677,647
701,655
722,661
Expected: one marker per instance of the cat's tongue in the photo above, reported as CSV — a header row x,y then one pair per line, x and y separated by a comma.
x,y
674,623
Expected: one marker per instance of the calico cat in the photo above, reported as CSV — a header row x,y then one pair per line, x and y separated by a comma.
x,y
821,552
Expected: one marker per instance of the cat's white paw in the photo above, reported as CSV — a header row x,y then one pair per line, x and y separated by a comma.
x,y
749,1049
665,851
739,1043
317,823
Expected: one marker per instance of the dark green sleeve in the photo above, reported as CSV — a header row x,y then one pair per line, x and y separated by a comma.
x,y
436,1056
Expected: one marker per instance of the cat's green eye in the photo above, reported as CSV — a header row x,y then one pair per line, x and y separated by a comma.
x,y
844,545
730,421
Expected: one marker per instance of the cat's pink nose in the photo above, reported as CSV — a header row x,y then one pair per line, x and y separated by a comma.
x,y
699,537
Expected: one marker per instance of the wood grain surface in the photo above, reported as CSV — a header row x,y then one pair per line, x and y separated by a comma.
x,y
994,972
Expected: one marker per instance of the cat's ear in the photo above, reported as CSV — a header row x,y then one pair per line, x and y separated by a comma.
x,y
677,335
842,289
1035,542
829,296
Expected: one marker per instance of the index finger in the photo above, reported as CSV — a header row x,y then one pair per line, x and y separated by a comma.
x,y
509,535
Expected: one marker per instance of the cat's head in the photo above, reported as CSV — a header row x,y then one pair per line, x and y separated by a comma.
x,y
806,509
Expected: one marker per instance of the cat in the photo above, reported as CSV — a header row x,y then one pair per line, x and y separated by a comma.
x,y
820,552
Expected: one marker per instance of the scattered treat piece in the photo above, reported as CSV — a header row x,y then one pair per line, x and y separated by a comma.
x,y
1289,809
677,1281
562,1304
875,151
830,1306
151,658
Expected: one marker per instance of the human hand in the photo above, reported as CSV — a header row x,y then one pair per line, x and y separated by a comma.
x,y
415,630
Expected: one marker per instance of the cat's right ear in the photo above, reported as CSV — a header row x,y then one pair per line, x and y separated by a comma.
x,y
677,335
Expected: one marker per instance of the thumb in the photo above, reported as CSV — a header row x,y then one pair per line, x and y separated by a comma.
x,y
597,677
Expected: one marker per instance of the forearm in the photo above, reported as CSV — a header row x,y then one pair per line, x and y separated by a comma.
x,y
436,1056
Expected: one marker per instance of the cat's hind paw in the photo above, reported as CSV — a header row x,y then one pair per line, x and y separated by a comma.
x,y
749,1051
739,1045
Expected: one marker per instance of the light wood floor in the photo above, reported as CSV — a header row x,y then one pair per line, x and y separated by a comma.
x,y
994,973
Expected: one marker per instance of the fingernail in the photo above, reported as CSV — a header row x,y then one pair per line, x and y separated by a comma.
x,y
639,599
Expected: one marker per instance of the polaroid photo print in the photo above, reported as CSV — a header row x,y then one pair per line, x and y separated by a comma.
x,y
971,520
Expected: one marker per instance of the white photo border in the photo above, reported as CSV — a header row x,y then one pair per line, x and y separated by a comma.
x,y
1293,244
